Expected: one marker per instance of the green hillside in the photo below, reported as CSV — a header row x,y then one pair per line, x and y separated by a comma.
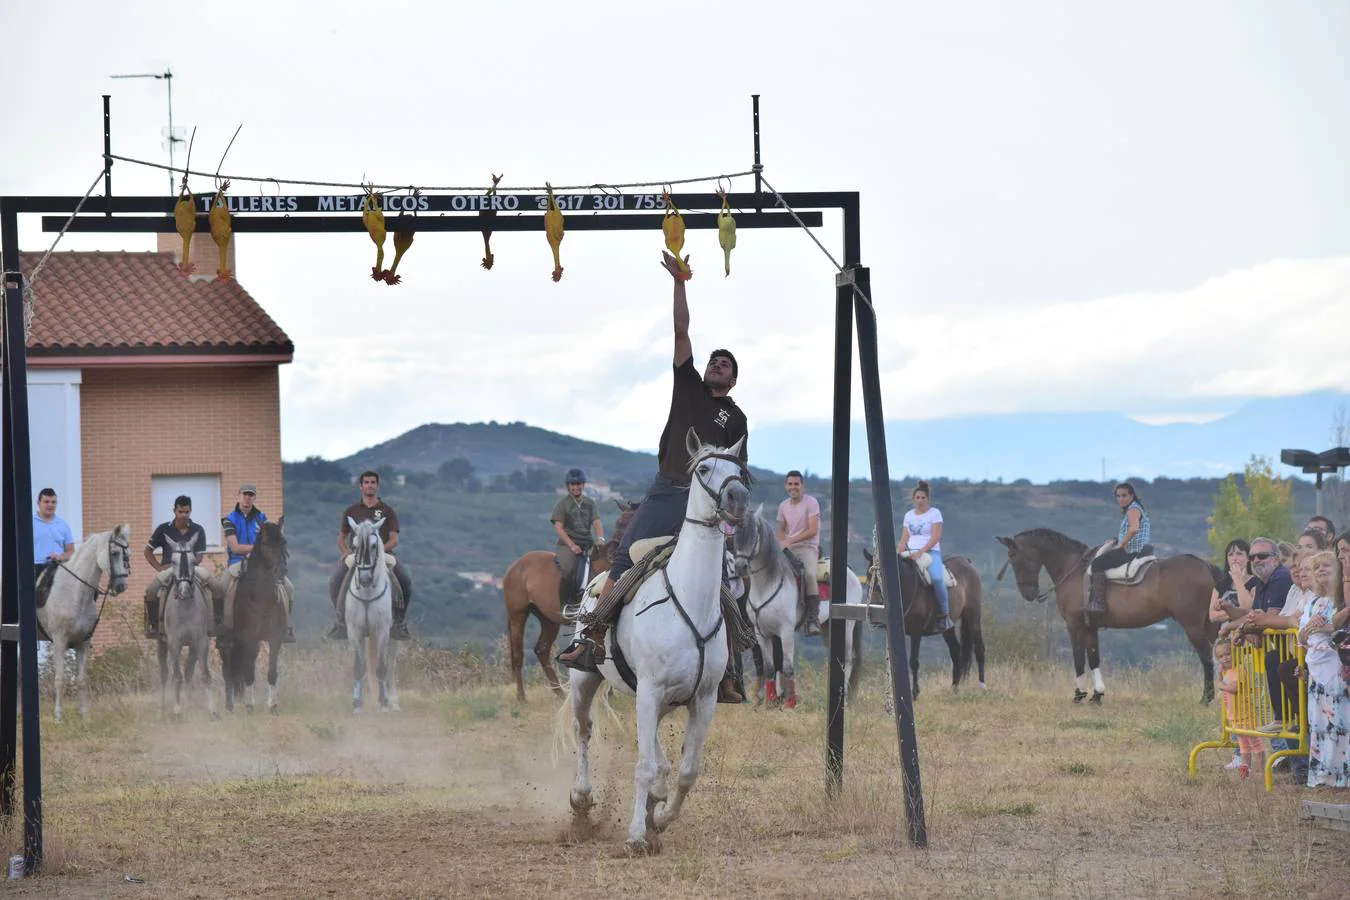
x,y
455,524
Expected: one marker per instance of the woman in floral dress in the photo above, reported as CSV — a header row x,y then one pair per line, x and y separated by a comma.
x,y
1328,695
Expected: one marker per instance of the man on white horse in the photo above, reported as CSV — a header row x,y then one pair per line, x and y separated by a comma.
x,y
697,402
370,506
577,524
179,530
53,543
798,533
240,528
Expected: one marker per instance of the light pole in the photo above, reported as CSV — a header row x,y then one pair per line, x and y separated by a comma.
x,y
1328,462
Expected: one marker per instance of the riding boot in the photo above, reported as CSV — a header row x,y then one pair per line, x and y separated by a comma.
x,y
216,628
226,638
152,619
727,693
399,630
587,650
339,630
1096,607
811,622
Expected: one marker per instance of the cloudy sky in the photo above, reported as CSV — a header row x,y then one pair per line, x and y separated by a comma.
x,y
1144,209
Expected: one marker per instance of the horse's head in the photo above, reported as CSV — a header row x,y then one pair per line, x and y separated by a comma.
x,y
1026,564
119,558
269,550
367,548
184,568
722,482
749,543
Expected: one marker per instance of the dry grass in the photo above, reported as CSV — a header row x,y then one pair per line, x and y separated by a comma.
x,y
1027,795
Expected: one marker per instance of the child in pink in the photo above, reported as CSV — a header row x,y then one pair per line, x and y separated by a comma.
x,y
1250,747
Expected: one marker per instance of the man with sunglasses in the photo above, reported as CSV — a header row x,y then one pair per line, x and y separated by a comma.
x,y
699,402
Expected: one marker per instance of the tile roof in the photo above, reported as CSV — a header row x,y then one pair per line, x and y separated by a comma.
x,y
112,303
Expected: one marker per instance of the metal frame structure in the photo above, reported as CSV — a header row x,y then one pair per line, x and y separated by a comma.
x,y
448,212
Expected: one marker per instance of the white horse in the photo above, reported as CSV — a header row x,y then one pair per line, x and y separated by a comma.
x,y
673,637
772,607
370,614
186,623
72,608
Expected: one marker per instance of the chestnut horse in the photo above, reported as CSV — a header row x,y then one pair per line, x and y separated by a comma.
x,y
531,588
1178,587
964,642
259,617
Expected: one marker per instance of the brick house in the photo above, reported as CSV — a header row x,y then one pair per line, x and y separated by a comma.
x,y
116,339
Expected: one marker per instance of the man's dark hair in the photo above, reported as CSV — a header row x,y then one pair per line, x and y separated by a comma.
x,y
182,500
735,369
46,492
793,474
1331,526
368,473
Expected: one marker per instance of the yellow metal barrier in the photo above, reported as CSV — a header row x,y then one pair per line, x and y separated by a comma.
x,y
1252,704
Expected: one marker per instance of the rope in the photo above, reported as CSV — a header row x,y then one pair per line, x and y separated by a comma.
x,y
862,295
400,187
37,270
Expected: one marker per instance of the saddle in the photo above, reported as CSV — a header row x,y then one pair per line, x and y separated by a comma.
x,y
1133,571
42,588
923,561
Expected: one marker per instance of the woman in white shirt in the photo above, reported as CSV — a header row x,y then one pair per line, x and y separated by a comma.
x,y
1328,695
922,533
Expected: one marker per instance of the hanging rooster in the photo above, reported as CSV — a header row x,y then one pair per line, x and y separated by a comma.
x,y
726,232
373,218
553,227
403,239
219,217
487,215
673,228
185,223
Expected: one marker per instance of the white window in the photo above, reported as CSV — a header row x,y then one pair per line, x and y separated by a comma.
x,y
204,490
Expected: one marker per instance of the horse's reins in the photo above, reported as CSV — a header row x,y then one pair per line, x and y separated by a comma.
x,y
1043,595
352,588
94,587
754,552
717,495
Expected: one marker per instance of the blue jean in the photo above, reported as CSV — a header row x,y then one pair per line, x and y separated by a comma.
x,y
939,578
662,512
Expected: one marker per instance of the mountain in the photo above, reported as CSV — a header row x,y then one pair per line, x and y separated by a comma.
x,y
1048,446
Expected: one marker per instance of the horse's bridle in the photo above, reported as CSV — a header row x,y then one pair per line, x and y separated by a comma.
x,y
750,571
365,563
1048,592
742,476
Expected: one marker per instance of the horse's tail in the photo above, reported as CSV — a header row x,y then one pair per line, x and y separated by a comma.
x,y
563,736
967,651
855,676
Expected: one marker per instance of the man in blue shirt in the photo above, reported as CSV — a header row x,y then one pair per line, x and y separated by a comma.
x,y
52,541
240,530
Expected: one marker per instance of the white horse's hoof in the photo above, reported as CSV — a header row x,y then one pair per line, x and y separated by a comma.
x,y
274,710
581,803
636,848
983,686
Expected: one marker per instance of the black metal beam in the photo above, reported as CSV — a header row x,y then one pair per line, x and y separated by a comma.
x,y
16,558
505,204
250,224
843,386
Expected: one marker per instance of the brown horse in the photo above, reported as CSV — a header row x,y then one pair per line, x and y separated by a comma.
x,y
1179,587
921,613
531,588
258,617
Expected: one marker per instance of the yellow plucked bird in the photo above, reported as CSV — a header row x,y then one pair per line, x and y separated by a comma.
x,y
672,226
221,231
726,232
487,215
185,223
553,229
372,216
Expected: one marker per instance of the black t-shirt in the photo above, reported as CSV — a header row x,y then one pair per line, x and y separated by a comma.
x,y
1225,584
195,536
716,420
381,512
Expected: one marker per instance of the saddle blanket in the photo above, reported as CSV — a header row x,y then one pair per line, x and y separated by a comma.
x,y
923,562
1132,572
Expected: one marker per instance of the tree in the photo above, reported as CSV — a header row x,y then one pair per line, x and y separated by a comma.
x,y
1267,510
455,472
316,468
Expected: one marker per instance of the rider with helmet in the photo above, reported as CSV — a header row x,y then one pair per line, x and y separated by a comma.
x,y
577,524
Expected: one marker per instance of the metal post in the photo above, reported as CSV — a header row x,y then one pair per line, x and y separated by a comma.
x,y
758,166
16,563
890,569
107,155
1319,492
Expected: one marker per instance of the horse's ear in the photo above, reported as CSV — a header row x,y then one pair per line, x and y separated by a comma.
x,y
281,525
1007,542
692,443
735,449
351,523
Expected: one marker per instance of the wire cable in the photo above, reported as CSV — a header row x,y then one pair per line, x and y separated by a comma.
x,y
862,295
37,270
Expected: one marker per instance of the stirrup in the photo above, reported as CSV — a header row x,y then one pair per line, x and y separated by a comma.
x,y
337,633
586,655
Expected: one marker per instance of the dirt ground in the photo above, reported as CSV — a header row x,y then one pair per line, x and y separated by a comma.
x,y
460,795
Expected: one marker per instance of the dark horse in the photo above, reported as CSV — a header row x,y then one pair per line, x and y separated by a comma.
x,y
1179,587
530,588
258,616
921,613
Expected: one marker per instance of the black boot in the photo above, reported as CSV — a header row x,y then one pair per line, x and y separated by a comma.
x,y
339,630
811,623
152,619
1096,605
399,631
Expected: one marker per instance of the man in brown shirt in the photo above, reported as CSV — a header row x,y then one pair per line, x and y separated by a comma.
x,y
370,506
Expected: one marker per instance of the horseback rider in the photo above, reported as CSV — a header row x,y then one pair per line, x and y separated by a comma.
x,y
696,402
1132,541
53,543
799,535
920,533
370,506
240,528
577,524
178,530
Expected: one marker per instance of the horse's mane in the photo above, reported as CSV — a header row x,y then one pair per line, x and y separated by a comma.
x,y
1056,539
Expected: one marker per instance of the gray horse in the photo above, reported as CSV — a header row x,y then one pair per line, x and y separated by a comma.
x,y
71,610
370,614
186,622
